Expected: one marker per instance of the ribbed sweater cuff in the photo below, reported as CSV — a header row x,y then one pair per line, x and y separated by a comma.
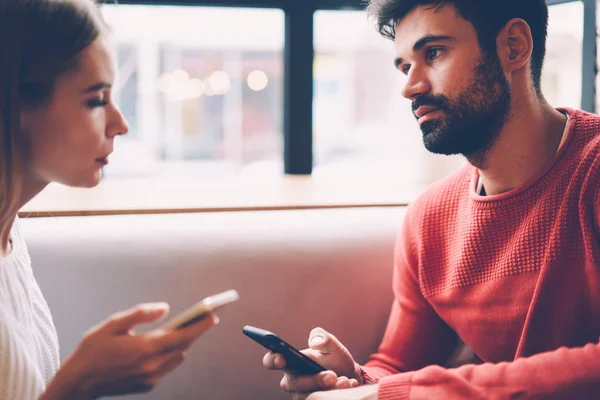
x,y
367,378
395,387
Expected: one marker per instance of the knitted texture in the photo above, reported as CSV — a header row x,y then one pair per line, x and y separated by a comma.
x,y
513,275
28,340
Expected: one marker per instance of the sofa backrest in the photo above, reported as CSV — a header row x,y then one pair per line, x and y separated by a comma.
x,y
294,270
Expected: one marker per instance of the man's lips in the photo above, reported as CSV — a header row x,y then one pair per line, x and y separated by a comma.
x,y
424,110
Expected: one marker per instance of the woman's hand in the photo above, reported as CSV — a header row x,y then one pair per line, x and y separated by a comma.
x,y
113,360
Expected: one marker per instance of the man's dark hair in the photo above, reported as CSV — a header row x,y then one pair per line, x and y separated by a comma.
x,y
488,17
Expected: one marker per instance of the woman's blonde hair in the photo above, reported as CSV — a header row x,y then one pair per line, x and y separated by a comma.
x,y
39,41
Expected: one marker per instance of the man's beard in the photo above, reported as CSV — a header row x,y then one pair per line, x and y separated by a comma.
x,y
471,123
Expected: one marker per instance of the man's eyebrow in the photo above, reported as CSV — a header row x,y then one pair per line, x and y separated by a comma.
x,y
422,42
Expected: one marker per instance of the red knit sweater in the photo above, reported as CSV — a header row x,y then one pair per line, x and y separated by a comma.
x,y
516,276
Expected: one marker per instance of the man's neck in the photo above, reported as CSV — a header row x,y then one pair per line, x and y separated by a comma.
x,y
529,140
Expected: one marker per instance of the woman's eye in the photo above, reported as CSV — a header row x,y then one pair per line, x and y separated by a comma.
x,y
405,69
97,103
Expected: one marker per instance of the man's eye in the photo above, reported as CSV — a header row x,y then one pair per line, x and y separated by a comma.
x,y
405,69
433,53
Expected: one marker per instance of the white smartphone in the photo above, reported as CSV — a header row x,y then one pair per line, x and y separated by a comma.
x,y
200,310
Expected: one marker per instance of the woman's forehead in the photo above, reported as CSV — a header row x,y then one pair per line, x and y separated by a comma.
x,y
96,64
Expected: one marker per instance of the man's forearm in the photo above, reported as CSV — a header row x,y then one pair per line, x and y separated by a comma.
x,y
561,374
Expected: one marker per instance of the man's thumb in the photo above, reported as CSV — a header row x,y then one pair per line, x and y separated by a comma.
x,y
323,341
122,322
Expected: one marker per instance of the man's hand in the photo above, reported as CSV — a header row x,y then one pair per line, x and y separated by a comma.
x,y
326,349
367,392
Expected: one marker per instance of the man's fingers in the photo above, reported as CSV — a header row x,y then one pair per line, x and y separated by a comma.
x,y
342,383
274,361
308,383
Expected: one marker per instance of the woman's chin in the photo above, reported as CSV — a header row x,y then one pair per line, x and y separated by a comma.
x,y
94,181
84,182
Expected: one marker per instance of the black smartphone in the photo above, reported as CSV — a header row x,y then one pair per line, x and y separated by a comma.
x,y
295,360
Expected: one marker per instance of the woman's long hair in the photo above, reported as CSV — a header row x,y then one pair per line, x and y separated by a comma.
x,y
39,41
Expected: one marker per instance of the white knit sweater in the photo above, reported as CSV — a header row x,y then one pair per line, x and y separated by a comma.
x,y
28,341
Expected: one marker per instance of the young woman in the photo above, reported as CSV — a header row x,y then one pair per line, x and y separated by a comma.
x,y
58,123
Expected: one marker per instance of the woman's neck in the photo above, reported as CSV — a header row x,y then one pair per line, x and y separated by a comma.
x,y
30,188
6,247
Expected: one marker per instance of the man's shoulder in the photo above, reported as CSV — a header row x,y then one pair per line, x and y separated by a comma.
x,y
585,155
582,115
587,127
446,192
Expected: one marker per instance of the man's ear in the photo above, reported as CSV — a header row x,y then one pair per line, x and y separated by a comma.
x,y
515,45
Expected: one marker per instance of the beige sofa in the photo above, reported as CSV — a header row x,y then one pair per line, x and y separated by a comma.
x,y
294,270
